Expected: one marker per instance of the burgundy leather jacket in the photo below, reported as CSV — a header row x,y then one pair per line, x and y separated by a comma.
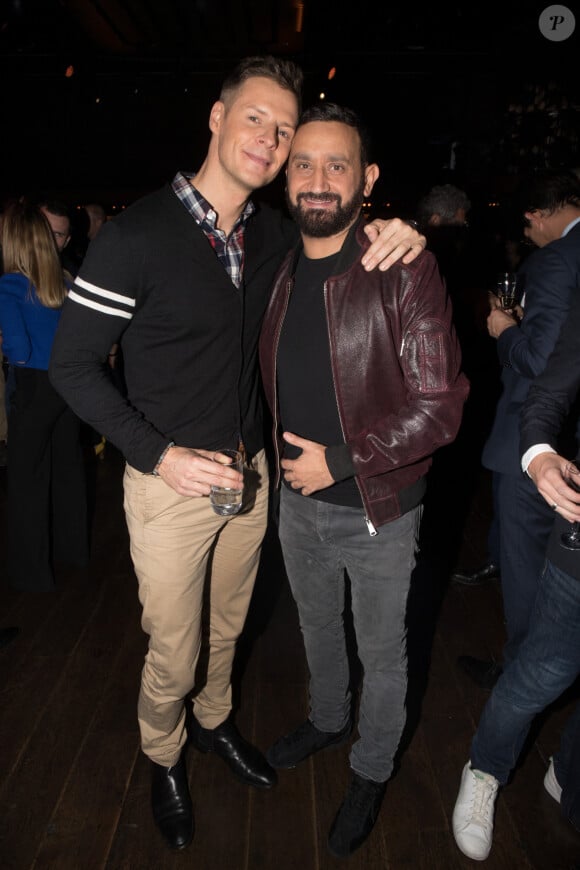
x,y
396,366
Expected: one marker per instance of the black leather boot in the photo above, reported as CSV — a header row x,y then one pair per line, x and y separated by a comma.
x,y
244,760
356,816
171,803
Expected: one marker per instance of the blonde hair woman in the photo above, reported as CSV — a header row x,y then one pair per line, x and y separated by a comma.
x,y
47,514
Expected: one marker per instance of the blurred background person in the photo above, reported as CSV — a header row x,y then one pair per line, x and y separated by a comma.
x,y
466,260
443,205
79,239
97,217
548,280
3,414
58,216
46,495
3,385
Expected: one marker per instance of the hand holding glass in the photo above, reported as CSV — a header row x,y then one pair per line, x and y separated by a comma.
x,y
226,501
571,539
506,290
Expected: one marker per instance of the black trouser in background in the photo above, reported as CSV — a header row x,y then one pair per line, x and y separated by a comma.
x,y
46,504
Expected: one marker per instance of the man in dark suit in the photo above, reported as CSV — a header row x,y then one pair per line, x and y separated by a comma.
x,y
548,404
548,660
548,279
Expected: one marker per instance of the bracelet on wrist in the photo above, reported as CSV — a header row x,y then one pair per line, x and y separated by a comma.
x,y
155,471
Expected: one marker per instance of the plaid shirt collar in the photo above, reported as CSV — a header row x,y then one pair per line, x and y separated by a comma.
x,y
229,249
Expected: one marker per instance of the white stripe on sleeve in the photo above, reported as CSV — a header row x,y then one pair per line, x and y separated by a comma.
x,y
106,294
106,309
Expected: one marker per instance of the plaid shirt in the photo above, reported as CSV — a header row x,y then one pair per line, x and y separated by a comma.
x,y
229,249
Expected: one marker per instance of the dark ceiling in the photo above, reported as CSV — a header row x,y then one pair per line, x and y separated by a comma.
x,y
201,34
143,75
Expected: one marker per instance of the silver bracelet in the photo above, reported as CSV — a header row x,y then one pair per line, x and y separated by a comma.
x,y
161,458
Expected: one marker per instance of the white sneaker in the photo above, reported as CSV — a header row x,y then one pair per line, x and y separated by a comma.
x,y
473,813
551,784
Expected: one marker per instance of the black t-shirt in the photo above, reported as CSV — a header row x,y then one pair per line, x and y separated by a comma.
x,y
305,384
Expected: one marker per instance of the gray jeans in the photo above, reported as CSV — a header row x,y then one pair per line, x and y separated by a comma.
x,y
319,542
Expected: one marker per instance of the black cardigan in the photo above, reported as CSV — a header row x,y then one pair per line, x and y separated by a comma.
x,y
189,337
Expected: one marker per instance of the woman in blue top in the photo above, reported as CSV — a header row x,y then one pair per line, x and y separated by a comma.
x,y
46,492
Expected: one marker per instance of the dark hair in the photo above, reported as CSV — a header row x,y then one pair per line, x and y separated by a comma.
x,y
285,73
54,206
324,111
549,190
444,200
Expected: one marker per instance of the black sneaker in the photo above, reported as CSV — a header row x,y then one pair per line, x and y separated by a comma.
x,y
305,740
356,817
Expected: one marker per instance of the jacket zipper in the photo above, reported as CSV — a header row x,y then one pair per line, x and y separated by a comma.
x,y
371,528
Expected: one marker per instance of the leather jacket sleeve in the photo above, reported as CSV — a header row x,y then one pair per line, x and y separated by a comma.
x,y
433,390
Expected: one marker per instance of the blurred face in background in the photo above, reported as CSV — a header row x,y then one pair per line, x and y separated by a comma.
x,y
97,217
60,226
542,226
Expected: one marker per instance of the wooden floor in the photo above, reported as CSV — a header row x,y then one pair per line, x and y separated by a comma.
x,y
74,787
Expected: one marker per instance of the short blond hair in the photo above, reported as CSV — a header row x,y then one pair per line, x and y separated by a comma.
x,y
285,73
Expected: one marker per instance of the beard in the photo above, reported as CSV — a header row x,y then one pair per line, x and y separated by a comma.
x,y
320,223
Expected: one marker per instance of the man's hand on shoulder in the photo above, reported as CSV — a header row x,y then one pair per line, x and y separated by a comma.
x,y
193,472
391,240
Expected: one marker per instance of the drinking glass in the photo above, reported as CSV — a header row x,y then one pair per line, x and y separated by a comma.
x,y
571,539
226,501
506,290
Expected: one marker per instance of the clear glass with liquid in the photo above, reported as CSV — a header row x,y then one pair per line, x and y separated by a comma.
x,y
225,501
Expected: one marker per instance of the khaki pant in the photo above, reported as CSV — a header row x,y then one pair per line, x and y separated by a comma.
x,y
176,543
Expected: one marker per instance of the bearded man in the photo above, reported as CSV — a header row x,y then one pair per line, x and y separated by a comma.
x,y
361,371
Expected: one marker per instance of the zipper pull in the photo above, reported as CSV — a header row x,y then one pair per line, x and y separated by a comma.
x,y
371,528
